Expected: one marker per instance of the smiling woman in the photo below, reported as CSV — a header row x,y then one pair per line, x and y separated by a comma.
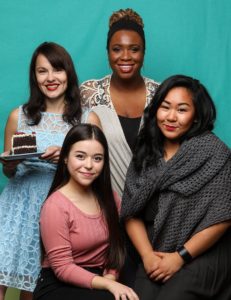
x,y
83,245
176,203
52,109
120,98
51,81
176,114
85,162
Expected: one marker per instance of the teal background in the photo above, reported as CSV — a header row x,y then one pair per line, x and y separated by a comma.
x,y
182,36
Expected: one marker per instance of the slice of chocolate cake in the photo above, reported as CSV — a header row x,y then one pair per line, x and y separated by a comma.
x,y
23,143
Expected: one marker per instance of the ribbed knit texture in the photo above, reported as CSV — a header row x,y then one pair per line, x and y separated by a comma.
x,y
194,189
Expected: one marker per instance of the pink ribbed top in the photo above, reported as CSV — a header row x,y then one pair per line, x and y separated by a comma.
x,y
72,240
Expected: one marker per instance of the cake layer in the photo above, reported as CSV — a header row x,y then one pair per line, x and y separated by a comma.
x,y
25,149
23,143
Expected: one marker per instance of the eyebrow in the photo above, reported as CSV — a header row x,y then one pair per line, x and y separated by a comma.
x,y
127,44
183,103
82,152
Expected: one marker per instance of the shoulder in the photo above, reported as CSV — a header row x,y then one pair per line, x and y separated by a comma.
x,y
93,84
92,91
211,140
209,147
151,87
94,119
151,84
12,122
55,202
13,116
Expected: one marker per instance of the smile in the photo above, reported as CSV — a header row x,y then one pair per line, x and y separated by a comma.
x,y
87,174
170,127
52,87
126,68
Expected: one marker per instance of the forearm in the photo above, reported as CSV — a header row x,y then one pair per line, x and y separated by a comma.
x,y
137,233
206,238
9,171
100,283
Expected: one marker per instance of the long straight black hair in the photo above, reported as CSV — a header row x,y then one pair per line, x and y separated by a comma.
x,y
101,187
150,142
60,59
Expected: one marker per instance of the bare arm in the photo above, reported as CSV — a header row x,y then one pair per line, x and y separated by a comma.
x,y
9,167
120,291
94,119
206,238
137,232
196,245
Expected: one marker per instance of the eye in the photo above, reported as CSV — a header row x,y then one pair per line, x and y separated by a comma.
x,y
41,71
98,158
135,49
115,49
80,156
164,106
58,70
182,109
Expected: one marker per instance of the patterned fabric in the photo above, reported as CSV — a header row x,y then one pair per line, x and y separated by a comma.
x,y
95,94
20,204
194,189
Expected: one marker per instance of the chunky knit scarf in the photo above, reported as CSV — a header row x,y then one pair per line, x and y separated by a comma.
x,y
194,189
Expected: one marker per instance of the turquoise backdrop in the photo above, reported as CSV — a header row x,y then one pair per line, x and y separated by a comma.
x,y
183,36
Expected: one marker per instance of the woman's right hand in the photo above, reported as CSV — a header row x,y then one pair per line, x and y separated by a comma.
x,y
9,166
119,290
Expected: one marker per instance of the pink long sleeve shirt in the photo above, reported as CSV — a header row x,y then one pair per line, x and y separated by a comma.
x,y
72,240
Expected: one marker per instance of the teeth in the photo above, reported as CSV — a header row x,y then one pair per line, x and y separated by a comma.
x,y
125,68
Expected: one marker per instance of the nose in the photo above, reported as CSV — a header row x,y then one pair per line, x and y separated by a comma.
x,y
172,117
125,54
50,76
88,163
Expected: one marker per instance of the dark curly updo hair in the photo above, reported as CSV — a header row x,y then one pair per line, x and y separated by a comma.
x,y
125,19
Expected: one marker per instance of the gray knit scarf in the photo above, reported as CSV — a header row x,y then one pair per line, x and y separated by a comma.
x,y
194,189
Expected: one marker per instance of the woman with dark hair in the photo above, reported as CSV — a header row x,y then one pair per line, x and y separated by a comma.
x,y
177,199
52,109
119,99
79,223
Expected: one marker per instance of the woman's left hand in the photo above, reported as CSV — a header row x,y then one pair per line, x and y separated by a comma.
x,y
52,154
170,263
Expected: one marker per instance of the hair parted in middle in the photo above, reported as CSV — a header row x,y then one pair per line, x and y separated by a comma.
x,y
101,187
150,141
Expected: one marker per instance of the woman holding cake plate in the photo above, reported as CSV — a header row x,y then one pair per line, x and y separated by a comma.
x,y
52,109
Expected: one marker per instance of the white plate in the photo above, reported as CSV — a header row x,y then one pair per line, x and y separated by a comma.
x,y
21,156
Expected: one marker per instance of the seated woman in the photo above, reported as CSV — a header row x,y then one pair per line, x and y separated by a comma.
x,y
177,200
83,249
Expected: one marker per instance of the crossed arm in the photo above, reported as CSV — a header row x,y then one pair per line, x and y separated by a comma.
x,y
162,265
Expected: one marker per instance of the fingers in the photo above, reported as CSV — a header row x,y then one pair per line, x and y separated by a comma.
x,y
127,294
158,275
166,278
52,154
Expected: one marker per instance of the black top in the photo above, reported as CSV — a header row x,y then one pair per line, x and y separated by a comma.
x,y
130,128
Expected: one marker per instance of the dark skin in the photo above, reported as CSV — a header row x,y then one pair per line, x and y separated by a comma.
x,y
127,88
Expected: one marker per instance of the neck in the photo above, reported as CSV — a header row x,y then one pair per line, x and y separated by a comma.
x,y
170,148
74,188
55,105
129,84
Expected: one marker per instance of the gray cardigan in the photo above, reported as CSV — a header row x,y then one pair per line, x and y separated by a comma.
x,y
194,189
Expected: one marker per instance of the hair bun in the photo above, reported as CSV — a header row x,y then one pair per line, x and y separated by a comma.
x,y
128,14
